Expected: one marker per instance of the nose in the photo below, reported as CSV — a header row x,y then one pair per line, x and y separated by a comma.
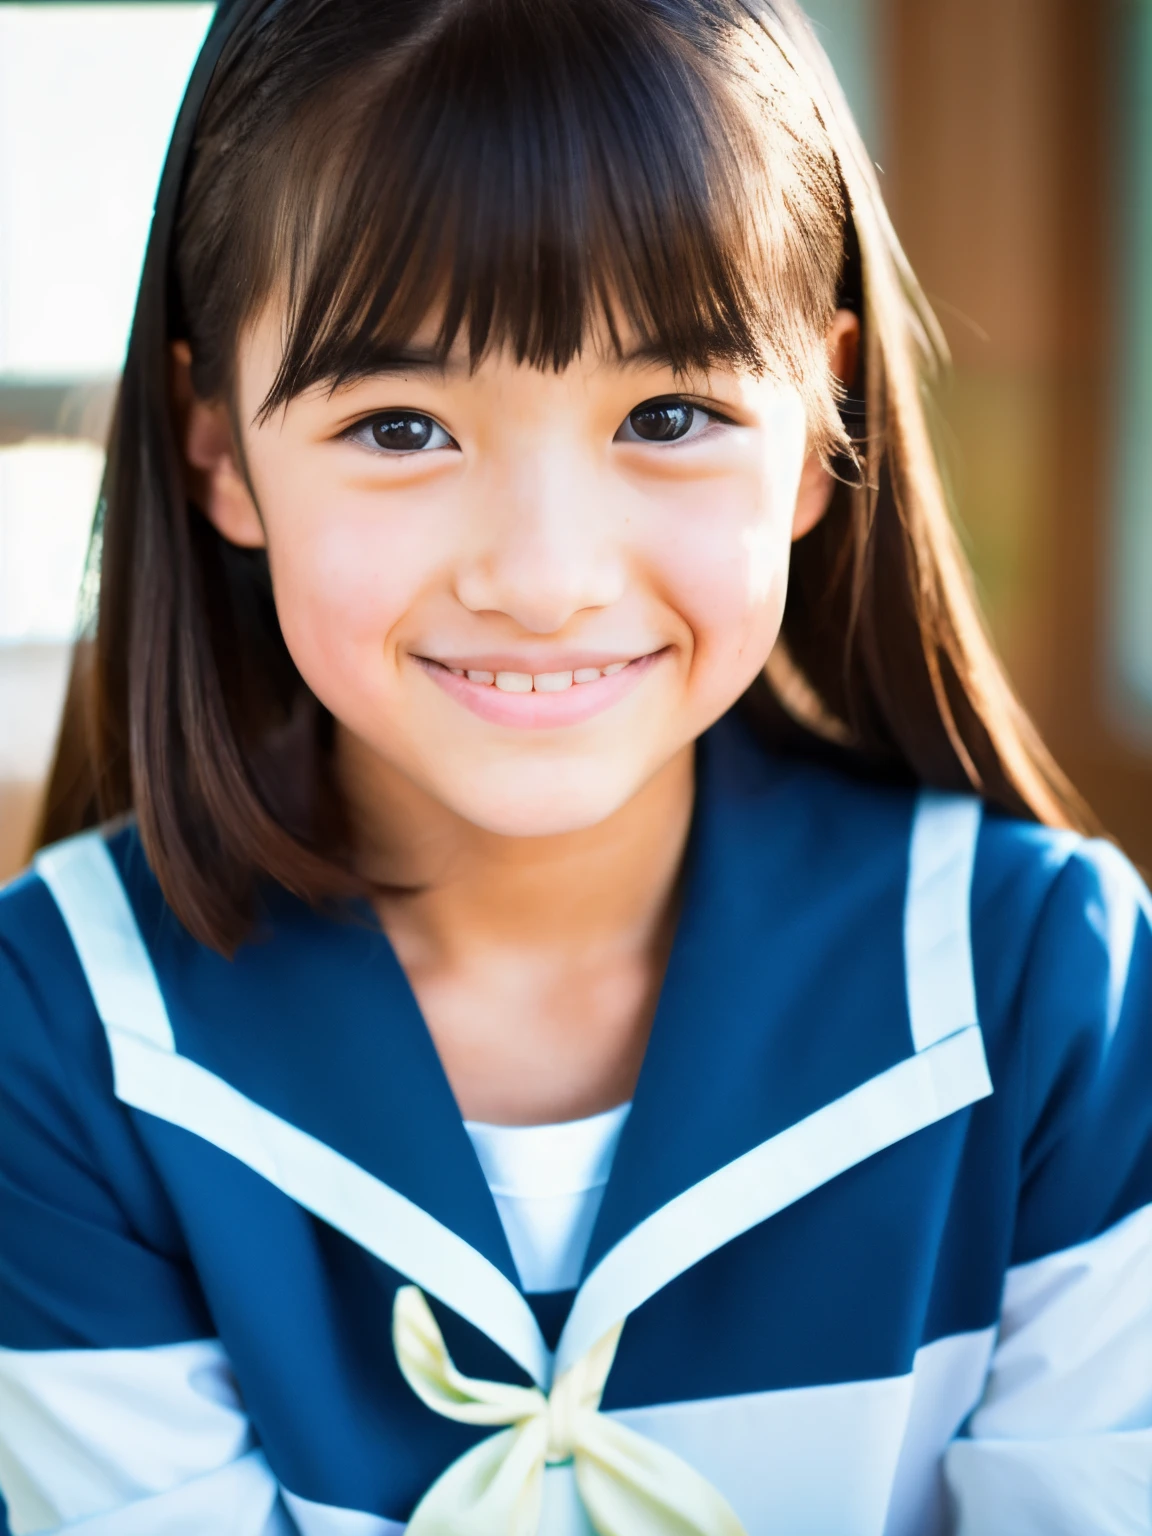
x,y
548,545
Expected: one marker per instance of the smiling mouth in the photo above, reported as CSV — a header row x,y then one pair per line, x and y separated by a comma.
x,y
506,696
538,682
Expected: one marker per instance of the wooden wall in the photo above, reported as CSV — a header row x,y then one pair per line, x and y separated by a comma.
x,y
1002,168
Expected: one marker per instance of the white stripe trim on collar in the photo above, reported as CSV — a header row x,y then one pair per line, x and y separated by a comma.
x,y
937,916
887,1108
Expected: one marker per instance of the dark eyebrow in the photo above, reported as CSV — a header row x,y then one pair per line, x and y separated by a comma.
x,y
653,353
429,360
386,361
391,361
656,354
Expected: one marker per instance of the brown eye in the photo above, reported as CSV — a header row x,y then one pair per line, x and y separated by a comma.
x,y
400,432
403,432
662,421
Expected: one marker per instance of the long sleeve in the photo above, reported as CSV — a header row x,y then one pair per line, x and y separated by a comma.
x,y
118,1410
1061,1441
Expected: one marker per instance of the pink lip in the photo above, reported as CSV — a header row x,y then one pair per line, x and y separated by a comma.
x,y
540,711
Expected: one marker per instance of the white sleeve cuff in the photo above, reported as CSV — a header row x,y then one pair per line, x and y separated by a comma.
x,y
125,1440
1091,1485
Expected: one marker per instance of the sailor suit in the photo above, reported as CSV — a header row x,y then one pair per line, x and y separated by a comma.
x,y
873,1255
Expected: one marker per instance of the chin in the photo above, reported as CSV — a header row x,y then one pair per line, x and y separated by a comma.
x,y
542,804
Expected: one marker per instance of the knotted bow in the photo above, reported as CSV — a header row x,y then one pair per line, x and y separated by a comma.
x,y
629,1485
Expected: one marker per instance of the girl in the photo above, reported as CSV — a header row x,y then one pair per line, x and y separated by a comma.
x,y
581,1004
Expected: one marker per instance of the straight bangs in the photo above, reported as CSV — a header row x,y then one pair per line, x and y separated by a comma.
x,y
545,177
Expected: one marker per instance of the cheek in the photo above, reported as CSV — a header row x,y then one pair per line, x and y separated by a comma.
x,y
345,573
726,571
736,601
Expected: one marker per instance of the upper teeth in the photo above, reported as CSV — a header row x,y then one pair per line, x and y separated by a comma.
x,y
544,682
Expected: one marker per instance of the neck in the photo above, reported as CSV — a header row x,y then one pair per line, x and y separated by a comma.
x,y
452,890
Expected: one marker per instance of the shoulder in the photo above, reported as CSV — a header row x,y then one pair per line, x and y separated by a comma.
x,y
1021,866
35,943
56,1072
1036,902
49,1026
1062,953
1055,928
41,979
1061,932
1055,911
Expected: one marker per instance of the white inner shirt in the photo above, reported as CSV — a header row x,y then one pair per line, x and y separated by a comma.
x,y
548,1182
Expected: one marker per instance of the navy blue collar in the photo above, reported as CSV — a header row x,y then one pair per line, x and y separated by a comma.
x,y
785,989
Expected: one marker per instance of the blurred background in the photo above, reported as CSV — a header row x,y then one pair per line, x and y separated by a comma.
x,y
1014,139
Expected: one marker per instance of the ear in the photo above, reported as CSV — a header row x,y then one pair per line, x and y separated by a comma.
x,y
816,484
215,482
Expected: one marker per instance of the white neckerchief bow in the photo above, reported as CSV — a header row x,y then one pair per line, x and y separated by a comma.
x,y
629,1485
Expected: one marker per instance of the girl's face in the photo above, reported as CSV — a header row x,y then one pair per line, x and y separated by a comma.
x,y
524,592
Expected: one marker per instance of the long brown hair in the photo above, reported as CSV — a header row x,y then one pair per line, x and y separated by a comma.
x,y
525,168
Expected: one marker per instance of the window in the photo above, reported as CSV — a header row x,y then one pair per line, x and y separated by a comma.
x,y
1132,543
850,36
88,93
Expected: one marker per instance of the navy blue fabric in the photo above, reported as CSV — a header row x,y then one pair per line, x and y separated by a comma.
x,y
1086,1005
786,988
91,1250
323,1029
847,1274
309,1336
793,898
